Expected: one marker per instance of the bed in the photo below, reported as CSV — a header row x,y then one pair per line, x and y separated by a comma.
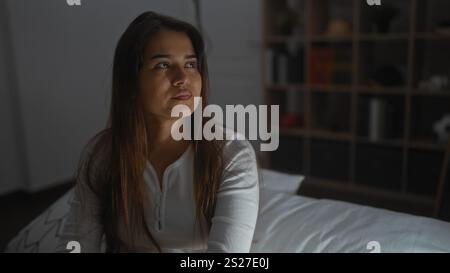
x,y
291,223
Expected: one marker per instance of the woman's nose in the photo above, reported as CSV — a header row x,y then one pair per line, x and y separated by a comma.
x,y
180,77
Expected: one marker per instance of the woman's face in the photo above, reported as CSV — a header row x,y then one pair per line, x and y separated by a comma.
x,y
169,75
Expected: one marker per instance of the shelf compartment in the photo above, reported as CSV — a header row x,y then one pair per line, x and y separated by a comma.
x,y
392,17
431,68
380,90
284,64
430,13
284,18
330,111
383,37
289,157
381,117
383,64
330,64
330,159
331,18
379,167
426,111
424,169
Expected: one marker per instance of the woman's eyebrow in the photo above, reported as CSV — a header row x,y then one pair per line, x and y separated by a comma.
x,y
169,56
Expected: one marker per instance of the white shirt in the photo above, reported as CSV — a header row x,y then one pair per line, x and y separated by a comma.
x,y
170,210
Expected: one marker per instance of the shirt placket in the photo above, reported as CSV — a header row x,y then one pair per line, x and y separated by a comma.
x,y
160,214
159,194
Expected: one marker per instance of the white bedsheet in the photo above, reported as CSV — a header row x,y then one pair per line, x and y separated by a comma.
x,y
290,223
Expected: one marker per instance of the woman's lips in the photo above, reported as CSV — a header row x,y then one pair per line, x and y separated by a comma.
x,y
183,95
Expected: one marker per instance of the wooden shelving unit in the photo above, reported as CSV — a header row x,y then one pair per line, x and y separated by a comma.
x,y
308,93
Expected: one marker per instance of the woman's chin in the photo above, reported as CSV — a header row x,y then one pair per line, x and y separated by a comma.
x,y
186,107
187,102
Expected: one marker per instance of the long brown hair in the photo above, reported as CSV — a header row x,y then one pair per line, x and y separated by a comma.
x,y
118,154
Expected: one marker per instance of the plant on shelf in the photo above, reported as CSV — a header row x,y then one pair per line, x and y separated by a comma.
x,y
287,20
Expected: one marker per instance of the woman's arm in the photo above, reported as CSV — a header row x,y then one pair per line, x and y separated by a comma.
x,y
234,220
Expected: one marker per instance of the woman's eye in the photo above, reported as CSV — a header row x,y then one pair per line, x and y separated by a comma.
x,y
191,65
162,66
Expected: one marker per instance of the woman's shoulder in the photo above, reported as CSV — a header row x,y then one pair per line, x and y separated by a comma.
x,y
240,164
238,151
94,156
98,147
235,143
237,146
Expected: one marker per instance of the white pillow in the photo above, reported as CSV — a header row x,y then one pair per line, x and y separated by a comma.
x,y
280,182
43,233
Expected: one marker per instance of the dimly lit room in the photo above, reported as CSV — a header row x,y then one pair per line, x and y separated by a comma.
x,y
344,145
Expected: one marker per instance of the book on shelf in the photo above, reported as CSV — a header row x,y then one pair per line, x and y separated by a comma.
x,y
330,65
296,65
320,66
276,67
284,67
342,66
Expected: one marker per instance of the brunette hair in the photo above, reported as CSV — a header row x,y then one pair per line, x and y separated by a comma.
x,y
115,163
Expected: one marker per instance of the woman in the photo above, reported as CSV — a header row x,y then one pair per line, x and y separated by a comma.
x,y
139,190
